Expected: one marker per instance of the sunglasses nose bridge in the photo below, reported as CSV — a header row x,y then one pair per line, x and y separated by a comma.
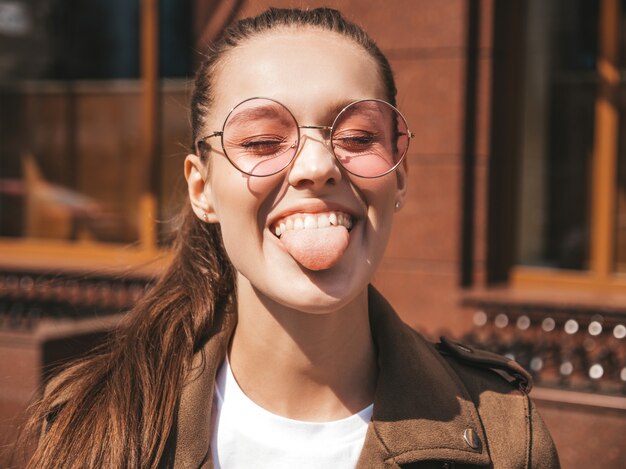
x,y
325,131
320,127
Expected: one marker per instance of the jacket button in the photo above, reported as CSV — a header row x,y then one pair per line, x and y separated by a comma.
x,y
471,439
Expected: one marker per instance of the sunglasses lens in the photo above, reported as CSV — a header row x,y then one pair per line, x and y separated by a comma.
x,y
260,137
370,138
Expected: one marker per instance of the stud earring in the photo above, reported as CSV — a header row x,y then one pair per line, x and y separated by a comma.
x,y
397,204
205,217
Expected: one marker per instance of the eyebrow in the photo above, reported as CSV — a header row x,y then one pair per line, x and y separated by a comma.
x,y
256,113
340,105
271,111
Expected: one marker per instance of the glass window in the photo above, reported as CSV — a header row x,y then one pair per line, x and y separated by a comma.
x,y
71,164
620,225
560,90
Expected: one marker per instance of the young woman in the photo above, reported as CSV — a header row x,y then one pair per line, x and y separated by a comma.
x,y
263,345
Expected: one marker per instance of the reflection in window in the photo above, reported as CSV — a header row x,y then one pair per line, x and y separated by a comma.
x,y
558,116
70,118
620,225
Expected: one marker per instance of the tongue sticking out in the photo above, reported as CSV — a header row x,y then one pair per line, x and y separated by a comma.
x,y
316,249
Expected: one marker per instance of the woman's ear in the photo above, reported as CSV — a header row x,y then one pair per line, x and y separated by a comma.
x,y
199,189
401,178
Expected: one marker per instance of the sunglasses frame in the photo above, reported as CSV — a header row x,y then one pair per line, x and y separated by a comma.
x,y
220,133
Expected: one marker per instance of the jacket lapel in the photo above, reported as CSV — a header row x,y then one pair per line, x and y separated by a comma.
x,y
421,408
193,426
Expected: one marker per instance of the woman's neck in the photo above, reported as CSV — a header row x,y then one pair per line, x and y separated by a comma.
x,y
315,367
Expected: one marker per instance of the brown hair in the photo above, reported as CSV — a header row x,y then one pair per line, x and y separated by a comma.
x,y
117,408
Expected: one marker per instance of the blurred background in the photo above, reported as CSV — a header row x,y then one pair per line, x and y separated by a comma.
x,y
513,235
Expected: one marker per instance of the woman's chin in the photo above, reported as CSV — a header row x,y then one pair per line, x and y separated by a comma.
x,y
313,292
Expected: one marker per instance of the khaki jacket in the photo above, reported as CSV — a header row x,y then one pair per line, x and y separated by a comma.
x,y
432,408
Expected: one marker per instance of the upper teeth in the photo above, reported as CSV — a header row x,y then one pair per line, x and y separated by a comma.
x,y
308,221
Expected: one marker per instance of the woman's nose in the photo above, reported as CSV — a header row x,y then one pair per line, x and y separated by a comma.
x,y
315,166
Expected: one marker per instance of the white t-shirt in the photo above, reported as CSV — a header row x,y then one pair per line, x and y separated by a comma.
x,y
247,436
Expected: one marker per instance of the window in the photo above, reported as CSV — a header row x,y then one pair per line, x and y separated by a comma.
x,y
89,155
568,153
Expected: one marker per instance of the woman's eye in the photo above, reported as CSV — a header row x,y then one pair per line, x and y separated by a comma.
x,y
355,142
263,145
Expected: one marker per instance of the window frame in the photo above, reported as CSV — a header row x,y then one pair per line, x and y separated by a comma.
x,y
503,198
146,256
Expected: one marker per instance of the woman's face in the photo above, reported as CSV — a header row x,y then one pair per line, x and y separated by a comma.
x,y
319,268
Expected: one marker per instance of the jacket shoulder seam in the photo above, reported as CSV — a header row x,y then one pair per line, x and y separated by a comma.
x,y
505,368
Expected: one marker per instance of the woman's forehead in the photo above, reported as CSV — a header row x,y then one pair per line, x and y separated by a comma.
x,y
304,68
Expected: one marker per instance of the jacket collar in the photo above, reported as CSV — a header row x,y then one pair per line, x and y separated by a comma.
x,y
421,408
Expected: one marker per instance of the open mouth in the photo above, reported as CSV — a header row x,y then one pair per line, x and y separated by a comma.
x,y
311,221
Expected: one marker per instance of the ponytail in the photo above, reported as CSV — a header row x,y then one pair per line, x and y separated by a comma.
x,y
116,408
